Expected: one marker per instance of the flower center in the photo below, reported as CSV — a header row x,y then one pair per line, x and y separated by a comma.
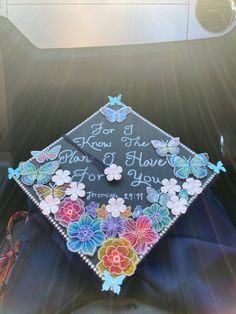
x,y
156,217
69,212
85,233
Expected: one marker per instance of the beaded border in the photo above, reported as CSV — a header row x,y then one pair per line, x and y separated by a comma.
x,y
59,228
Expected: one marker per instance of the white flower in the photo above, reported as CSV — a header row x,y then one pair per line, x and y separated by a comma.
x,y
177,205
116,206
170,186
75,190
49,205
113,172
193,186
61,177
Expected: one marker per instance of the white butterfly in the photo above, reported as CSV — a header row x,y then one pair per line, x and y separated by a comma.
x,y
167,148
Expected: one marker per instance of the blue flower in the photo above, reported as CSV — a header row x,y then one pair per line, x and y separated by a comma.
x,y
85,235
91,209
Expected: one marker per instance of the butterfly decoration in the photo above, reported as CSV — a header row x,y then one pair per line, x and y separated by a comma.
x,y
164,149
183,194
154,196
14,173
57,191
218,167
47,154
43,174
112,283
115,100
184,167
137,212
115,115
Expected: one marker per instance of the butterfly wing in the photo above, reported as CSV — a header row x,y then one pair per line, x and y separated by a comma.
x,y
122,113
46,171
152,195
52,153
42,190
181,166
11,173
40,156
220,166
107,281
173,146
109,113
164,198
116,283
28,173
60,191
161,147
115,100
198,165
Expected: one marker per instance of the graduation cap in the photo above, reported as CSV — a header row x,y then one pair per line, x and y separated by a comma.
x,y
113,186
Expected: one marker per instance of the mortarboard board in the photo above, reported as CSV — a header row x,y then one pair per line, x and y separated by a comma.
x,y
113,186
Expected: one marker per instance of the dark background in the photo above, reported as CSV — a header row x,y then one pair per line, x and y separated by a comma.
x,y
187,88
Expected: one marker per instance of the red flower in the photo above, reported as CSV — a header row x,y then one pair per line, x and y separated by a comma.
x,y
69,211
118,257
140,233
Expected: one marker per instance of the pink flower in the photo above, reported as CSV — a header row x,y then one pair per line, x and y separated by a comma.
x,y
140,233
69,211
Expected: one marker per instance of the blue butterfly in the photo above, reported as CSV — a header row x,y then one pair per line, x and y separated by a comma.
x,y
184,167
218,167
43,174
137,212
115,100
115,115
112,283
47,154
14,173
153,196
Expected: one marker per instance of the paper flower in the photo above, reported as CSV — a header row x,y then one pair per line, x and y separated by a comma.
x,y
113,172
69,211
177,205
85,235
127,213
91,209
49,205
193,186
61,177
75,190
117,257
159,216
170,186
102,212
116,206
112,226
140,233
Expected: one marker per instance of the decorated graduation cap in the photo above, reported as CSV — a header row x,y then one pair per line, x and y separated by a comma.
x,y
113,186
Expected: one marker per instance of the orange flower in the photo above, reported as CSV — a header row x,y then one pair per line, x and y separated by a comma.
x,y
102,212
127,213
117,257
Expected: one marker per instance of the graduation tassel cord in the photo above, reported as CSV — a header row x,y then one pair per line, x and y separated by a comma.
x,y
98,163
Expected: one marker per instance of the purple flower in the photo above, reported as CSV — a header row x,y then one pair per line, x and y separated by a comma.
x,y
91,209
112,226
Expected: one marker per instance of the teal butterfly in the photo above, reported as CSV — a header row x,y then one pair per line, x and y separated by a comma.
x,y
14,173
218,167
43,174
115,100
112,283
184,167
